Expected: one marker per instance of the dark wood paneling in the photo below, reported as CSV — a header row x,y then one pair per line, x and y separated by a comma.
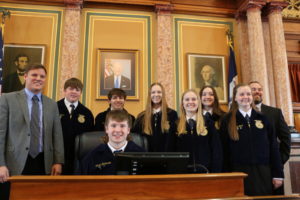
x,y
295,174
208,3
37,2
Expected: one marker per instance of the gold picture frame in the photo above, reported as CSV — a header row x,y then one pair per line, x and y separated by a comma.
x,y
117,68
208,70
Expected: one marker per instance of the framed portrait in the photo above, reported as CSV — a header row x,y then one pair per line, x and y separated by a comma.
x,y
208,70
16,58
117,68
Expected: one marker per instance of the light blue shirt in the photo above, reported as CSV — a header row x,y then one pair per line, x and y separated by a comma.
x,y
29,96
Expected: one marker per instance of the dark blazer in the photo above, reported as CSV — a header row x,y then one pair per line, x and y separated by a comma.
x,y
216,118
100,120
81,121
275,117
159,141
204,150
257,144
109,83
15,132
12,83
101,161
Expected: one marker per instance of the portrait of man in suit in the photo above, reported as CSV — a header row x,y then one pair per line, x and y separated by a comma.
x,y
117,69
15,81
16,59
117,79
207,70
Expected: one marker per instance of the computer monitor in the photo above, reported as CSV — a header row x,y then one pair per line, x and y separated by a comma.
x,y
137,163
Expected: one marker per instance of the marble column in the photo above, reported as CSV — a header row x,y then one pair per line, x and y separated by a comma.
x,y
70,43
243,43
256,46
165,65
269,62
280,65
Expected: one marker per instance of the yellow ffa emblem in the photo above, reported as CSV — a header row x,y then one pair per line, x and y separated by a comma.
x,y
204,133
217,125
81,119
61,116
259,124
240,127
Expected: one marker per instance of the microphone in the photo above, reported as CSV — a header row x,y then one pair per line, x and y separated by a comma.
x,y
196,168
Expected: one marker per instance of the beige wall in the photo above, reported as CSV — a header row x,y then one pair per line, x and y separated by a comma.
x,y
110,29
117,29
37,25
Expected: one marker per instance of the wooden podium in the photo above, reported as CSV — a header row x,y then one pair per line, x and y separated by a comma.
x,y
128,187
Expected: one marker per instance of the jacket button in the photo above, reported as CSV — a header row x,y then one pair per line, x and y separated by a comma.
x,y
27,148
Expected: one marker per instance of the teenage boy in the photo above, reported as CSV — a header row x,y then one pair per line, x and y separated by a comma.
x,y
75,119
116,99
100,161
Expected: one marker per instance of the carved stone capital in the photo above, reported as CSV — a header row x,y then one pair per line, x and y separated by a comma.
x,y
73,4
255,5
275,7
251,5
164,8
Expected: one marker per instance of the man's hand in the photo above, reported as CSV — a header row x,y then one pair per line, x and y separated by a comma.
x,y
3,174
56,169
277,183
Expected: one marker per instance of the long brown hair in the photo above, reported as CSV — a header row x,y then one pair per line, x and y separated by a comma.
x,y
201,129
216,109
149,109
232,127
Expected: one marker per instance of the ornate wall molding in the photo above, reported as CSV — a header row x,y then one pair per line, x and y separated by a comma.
x,y
75,4
292,11
164,8
274,7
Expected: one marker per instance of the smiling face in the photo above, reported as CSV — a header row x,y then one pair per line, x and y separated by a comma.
x,y
72,94
244,98
156,95
257,92
207,98
117,132
35,80
190,102
116,102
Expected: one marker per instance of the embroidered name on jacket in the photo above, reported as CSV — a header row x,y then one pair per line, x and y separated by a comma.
x,y
101,165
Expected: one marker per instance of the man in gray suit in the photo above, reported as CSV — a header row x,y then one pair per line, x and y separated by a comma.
x,y
31,141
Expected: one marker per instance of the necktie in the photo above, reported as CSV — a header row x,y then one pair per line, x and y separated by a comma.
x,y
191,124
117,82
72,110
207,115
118,151
34,128
247,119
155,116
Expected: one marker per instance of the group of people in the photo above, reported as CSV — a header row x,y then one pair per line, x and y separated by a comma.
x,y
37,135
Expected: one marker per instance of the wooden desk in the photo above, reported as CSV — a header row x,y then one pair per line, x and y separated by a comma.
x,y
141,187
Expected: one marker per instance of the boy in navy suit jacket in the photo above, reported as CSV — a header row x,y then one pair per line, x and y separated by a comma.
x,y
101,160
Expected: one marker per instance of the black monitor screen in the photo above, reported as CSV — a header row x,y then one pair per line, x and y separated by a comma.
x,y
151,163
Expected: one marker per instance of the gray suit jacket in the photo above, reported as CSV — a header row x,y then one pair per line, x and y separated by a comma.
x,y
15,132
